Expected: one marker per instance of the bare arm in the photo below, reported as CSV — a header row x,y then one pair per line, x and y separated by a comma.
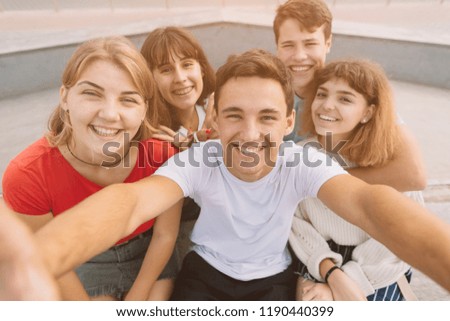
x,y
410,231
406,172
23,273
96,223
70,285
161,246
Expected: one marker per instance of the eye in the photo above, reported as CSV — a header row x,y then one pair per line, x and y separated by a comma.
x,y
268,118
345,99
321,94
287,45
129,100
89,92
165,70
188,64
233,116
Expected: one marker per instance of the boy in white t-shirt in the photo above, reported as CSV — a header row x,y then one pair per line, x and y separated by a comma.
x,y
247,186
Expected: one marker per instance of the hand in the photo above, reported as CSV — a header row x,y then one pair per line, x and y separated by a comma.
x,y
209,122
177,139
344,288
308,290
206,133
24,275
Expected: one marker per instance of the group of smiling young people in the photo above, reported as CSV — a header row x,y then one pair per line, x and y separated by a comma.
x,y
148,119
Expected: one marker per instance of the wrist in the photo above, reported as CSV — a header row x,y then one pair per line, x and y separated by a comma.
x,y
330,271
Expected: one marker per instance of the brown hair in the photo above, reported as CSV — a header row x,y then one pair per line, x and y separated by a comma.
x,y
310,14
372,143
158,49
121,52
256,63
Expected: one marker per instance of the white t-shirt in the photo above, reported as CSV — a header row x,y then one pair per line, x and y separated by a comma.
x,y
243,227
201,113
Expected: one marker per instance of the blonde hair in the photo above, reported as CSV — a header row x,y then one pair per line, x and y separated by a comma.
x,y
121,52
158,49
310,14
372,143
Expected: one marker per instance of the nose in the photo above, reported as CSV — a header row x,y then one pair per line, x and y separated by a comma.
x,y
328,104
300,53
110,110
250,132
180,75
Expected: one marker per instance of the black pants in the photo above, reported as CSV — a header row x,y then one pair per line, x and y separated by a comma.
x,y
199,281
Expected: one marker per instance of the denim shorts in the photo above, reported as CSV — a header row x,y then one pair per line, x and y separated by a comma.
x,y
114,271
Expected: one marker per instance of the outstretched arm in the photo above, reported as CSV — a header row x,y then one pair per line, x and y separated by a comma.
x,y
411,232
23,273
405,172
96,223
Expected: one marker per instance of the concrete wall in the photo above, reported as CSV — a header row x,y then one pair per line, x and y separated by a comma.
x,y
414,62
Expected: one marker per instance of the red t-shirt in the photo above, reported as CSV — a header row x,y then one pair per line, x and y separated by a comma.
x,y
40,180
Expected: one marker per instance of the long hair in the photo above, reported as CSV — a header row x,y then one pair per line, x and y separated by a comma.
x,y
158,49
122,53
256,63
372,143
310,14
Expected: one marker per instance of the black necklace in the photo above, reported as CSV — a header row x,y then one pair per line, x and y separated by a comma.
x,y
105,165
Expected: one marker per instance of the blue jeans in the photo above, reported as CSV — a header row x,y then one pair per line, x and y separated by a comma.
x,y
114,271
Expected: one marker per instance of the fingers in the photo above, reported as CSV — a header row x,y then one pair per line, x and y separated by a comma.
x,y
166,130
210,101
163,137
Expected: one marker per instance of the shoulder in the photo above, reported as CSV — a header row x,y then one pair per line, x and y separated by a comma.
x,y
37,156
156,151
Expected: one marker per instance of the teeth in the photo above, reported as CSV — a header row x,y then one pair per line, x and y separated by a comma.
x,y
327,118
105,131
300,68
183,91
248,148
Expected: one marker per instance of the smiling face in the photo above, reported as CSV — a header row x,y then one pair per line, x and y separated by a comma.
x,y
302,52
104,106
338,109
252,122
180,82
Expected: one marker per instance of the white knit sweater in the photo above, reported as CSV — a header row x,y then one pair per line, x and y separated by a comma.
x,y
372,266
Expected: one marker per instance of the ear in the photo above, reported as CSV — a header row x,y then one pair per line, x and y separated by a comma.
x,y
290,122
214,119
328,43
63,91
368,114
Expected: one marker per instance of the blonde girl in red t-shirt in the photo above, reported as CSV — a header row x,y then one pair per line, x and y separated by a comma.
x,y
100,134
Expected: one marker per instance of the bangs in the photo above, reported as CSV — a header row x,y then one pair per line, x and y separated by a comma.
x,y
169,46
357,75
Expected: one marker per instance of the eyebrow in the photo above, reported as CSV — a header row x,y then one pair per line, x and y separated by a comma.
x,y
263,111
231,109
342,92
90,83
270,111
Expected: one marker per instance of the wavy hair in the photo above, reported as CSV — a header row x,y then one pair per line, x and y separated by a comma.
x,y
310,14
372,143
121,52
